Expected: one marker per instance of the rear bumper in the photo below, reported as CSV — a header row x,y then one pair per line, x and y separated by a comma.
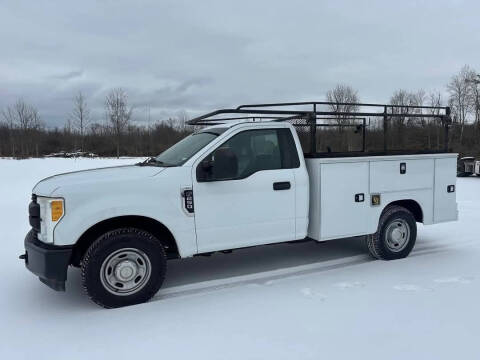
x,y
48,262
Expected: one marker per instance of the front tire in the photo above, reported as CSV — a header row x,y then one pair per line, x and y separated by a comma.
x,y
123,267
396,234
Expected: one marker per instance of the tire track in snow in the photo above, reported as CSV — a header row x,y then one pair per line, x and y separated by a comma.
x,y
267,278
262,279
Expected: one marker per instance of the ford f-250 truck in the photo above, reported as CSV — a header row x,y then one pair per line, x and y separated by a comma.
x,y
241,179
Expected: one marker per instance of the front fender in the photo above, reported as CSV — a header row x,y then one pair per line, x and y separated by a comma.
x,y
154,198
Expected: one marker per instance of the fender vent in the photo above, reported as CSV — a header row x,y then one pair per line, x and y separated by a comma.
x,y
188,201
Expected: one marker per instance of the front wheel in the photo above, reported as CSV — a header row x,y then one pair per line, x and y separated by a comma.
x,y
123,267
396,234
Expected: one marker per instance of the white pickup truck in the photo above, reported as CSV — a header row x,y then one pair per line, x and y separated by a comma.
x,y
232,184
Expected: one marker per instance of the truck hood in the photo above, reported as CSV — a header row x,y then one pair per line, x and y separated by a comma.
x,y
52,185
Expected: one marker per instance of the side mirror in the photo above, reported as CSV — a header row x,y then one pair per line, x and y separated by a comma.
x,y
204,170
224,166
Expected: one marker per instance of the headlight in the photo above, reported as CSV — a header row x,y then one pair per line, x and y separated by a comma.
x,y
51,212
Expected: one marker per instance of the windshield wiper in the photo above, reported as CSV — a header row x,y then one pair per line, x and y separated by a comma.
x,y
151,161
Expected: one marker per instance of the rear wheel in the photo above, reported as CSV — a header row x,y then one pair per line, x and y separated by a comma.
x,y
123,267
396,234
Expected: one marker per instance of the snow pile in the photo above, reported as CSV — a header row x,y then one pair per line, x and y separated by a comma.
x,y
289,301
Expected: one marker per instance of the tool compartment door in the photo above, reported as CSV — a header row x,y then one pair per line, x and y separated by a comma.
x,y
343,211
387,175
445,203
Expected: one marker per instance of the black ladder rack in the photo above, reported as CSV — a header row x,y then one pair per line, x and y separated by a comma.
x,y
309,113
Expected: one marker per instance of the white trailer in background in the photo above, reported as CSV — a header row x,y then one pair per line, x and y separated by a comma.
x,y
249,179
467,166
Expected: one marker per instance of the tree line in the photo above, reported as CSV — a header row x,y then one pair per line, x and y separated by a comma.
x,y
417,133
23,132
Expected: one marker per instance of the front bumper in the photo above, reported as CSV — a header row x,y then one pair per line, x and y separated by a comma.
x,y
48,262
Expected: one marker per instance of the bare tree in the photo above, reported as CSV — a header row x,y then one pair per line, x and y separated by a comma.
x,y
80,116
473,81
11,123
182,118
26,116
26,119
460,97
417,98
344,99
435,99
420,96
402,99
118,113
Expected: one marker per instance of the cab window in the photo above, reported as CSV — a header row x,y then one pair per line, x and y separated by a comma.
x,y
251,151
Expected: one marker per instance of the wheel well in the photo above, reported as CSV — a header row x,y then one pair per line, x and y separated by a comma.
x,y
154,227
411,205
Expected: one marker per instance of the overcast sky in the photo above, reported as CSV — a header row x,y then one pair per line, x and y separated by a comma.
x,y
199,55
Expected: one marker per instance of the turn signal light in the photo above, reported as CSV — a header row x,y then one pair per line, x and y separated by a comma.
x,y
57,209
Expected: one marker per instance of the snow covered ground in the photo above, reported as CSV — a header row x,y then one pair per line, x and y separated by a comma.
x,y
289,301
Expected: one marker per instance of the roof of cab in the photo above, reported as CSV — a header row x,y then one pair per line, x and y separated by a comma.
x,y
229,124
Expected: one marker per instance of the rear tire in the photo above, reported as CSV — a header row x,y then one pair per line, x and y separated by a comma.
x,y
123,267
396,234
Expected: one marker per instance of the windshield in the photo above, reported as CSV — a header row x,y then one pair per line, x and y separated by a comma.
x,y
179,153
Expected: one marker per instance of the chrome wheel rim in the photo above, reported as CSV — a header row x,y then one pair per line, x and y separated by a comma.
x,y
397,235
125,271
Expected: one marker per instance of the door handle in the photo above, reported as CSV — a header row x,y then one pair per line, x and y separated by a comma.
x,y
283,185
359,197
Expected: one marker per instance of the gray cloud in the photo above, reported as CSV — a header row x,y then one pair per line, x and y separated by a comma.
x,y
68,75
195,56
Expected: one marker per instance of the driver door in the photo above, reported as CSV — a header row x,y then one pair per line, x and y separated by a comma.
x,y
244,191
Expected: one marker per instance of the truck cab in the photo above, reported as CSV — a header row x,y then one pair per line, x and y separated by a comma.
x,y
230,184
